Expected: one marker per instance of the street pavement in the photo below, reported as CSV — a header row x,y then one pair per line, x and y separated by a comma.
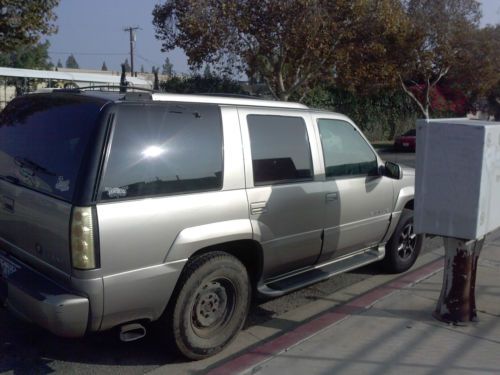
x,y
390,330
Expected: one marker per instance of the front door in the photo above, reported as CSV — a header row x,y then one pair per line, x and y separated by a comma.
x,y
359,201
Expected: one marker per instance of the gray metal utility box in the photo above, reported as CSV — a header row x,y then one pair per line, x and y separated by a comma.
x,y
457,187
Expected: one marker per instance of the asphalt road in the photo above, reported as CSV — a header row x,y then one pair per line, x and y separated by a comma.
x,y
25,348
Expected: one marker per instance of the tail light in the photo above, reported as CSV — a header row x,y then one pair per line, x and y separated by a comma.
x,y
82,239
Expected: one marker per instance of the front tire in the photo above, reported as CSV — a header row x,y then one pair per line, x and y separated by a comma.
x,y
404,246
211,306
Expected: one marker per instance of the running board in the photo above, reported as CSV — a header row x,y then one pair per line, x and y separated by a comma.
x,y
320,272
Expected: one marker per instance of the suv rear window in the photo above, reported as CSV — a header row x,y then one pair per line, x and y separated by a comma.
x,y
43,138
164,149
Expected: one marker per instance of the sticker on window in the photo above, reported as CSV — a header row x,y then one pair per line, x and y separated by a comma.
x,y
62,184
116,192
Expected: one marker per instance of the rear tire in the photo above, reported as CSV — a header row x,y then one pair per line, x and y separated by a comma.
x,y
404,246
211,306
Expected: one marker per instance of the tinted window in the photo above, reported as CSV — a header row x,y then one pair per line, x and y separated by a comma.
x,y
164,149
280,149
344,150
43,139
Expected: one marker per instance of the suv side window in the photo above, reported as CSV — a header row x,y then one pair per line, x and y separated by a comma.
x,y
280,149
345,151
164,149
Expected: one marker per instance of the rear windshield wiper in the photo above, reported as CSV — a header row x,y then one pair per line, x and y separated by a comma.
x,y
25,162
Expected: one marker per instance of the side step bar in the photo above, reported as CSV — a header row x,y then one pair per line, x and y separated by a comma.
x,y
320,272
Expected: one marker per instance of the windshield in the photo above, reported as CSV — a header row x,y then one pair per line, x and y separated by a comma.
x,y
43,139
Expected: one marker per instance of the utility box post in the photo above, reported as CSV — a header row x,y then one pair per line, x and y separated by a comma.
x,y
457,196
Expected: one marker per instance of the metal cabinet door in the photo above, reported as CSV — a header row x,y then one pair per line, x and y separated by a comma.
x,y
359,202
286,201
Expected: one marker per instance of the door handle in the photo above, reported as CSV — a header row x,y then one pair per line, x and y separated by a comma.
x,y
330,197
258,208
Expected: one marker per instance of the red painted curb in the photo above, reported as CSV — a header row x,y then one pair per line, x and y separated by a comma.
x,y
271,348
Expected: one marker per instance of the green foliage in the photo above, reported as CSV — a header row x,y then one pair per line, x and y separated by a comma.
x,y
381,115
200,84
104,67
71,62
27,57
23,22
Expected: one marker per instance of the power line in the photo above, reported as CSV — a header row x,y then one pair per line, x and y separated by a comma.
x,y
147,60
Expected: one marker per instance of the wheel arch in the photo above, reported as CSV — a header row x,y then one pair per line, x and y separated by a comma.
x,y
249,252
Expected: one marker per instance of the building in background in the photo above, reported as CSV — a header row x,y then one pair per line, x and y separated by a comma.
x,y
15,81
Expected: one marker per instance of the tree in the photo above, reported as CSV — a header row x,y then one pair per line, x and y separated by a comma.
x,y
71,62
127,66
142,68
207,73
201,84
22,23
167,68
59,63
104,67
292,44
27,57
478,74
433,44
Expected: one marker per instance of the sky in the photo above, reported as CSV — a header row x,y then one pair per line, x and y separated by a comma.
x,y
93,31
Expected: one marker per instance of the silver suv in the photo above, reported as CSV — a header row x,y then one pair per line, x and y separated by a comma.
x,y
121,209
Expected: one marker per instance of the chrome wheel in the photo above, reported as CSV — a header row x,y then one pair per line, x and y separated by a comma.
x,y
407,241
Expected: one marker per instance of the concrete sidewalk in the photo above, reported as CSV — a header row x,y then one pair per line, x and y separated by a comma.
x,y
397,334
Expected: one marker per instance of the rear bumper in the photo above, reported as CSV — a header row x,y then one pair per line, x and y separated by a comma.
x,y
40,300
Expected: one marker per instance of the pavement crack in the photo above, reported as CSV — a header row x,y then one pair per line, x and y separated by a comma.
x,y
488,313
454,329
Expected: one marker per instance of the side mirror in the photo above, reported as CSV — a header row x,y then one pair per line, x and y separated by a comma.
x,y
393,170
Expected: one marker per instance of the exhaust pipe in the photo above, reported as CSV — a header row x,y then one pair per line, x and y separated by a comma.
x,y
132,332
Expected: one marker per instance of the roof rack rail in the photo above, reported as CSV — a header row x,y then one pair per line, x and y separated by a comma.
x,y
231,95
120,87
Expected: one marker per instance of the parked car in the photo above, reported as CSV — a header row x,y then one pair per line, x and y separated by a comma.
x,y
406,141
122,209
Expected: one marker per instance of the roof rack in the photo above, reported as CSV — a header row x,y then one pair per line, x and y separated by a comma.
x,y
231,95
119,87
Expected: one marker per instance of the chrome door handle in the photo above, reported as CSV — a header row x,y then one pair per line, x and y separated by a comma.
x,y
258,208
330,197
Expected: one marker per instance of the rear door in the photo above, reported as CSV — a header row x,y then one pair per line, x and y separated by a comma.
x,y
43,140
285,197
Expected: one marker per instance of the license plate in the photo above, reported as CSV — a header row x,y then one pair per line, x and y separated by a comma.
x,y
7,268
406,144
3,291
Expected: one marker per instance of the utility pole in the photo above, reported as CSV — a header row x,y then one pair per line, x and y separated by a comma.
x,y
131,31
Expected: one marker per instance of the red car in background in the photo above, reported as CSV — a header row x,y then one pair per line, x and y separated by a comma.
x,y
406,141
